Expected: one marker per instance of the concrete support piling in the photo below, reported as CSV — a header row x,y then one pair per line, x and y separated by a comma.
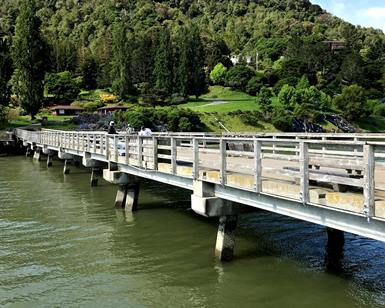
x,y
49,160
94,177
67,164
224,248
334,250
38,154
28,152
132,197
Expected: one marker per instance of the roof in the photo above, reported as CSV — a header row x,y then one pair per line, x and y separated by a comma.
x,y
66,107
113,107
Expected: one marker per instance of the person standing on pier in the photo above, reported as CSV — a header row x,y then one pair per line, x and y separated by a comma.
x,y
111,128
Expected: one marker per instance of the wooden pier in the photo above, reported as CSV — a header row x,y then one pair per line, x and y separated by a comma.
x,y
334,180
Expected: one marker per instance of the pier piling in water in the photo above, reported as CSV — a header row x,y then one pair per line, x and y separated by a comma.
x,y
67,164
49,160
38,154
94,177
224,248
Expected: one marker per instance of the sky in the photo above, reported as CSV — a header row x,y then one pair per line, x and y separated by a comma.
x,y
367,13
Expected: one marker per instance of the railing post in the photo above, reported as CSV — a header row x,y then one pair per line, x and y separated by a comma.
x,y
108,147
369,182
140,152
173,155
304,172
195,158
116,151
223,161
258,166
155,152
126,148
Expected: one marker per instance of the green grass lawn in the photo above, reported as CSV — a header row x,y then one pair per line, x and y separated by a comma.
x,y
222,100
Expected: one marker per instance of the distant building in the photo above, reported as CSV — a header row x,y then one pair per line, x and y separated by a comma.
x,y
66,110
111,109
335,45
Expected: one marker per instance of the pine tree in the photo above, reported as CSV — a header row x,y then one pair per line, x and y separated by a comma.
x,y
197,82
5,71
122,56
28,52
164,64
181,69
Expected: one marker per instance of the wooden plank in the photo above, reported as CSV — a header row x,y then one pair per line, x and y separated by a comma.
x,y
304,172
369,182
258,166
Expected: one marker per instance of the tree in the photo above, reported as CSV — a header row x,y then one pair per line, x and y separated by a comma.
x,y
28,54
122,53
218,74
5,71
88,70
164,64
238,76
197,81
353,103
63,85
264,101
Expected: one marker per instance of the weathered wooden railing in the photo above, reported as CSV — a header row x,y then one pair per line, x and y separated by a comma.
x,y
339,172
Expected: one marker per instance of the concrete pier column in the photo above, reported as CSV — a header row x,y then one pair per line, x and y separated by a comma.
x,y
94,177
49,160
67,164
128,189
334,250
132,197
38,154
224,248
28,152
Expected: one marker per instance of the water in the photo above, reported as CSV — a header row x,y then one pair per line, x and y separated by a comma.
x,y
63,244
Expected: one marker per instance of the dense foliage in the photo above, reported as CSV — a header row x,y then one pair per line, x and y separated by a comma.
x,y
166,50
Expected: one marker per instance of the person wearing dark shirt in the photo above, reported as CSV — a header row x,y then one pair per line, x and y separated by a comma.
x,y
111,128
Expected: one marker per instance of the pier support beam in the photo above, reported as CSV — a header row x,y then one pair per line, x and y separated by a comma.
x,y
128,189
94,177
49,160
28,152
37,155
66,168
334,249
224,248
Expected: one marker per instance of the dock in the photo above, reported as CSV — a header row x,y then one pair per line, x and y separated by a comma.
x,y
333,180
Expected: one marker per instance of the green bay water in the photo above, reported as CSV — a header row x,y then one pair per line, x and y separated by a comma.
x,y
62,244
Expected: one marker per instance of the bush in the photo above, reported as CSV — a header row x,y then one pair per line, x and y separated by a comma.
x,y
379,110
218,74
64,86
174,119
254,85
238,77
353,103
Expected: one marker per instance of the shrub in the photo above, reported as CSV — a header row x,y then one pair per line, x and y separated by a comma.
x,y
254,85
353,103
238,76
108,98
218,74
379,110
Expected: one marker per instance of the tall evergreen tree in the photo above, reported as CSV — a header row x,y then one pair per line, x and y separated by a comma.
x,y
28,57
197,81
122,56
5,71
181,68
164,64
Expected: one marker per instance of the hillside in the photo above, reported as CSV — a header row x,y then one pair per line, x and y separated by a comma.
x,y
164,51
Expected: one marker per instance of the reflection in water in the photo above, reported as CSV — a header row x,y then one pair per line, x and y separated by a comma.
x,y
334,251
63,244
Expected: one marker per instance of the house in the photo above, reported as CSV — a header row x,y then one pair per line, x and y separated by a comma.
x,y
66,110
111,109
335,45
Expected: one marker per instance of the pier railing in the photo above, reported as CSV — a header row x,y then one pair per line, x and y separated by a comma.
x,y
340,172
